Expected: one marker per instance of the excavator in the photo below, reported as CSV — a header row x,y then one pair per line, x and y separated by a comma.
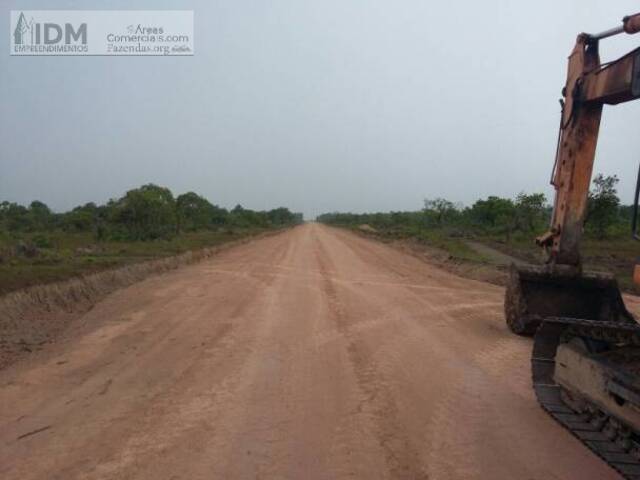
x,y
586,351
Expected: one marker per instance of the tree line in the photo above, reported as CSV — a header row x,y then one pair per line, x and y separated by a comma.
x,y
526,213
145,213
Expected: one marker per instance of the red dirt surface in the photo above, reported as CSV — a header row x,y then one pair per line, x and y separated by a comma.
x,y
312,354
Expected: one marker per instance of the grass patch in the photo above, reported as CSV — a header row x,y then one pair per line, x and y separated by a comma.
x,y
449,241
456,247
617,255
36,259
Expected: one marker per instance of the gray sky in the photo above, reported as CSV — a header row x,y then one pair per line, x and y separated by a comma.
x,y
322,105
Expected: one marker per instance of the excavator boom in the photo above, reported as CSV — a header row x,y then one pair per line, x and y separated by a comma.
x,y
560,287
589,86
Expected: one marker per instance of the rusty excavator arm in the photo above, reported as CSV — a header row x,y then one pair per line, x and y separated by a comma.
x,y
585,363
561,287
590,85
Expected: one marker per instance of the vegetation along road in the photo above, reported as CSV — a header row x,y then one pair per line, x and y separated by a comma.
x,y
314,353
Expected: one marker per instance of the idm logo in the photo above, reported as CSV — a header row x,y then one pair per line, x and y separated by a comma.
x,y
29,32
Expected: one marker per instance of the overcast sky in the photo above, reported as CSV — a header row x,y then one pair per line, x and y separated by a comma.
x,y
325,105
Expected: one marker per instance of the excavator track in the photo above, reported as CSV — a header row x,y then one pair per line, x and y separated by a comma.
x,y
605,435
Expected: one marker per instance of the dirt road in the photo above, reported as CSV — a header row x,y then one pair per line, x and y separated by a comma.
x,y
313,354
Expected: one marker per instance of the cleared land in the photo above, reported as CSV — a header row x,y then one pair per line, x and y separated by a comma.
x,y
314,353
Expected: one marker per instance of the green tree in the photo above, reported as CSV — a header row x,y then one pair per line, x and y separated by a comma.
x,y
439,210
603,202
244,217
281,216
530,211
219,216
146,213
493,212
40,215
14,217
82,218
193,212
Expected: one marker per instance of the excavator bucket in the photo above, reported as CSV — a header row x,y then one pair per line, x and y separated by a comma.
x,y
538,292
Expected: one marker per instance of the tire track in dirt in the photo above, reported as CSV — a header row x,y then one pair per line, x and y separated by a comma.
x,y
401,459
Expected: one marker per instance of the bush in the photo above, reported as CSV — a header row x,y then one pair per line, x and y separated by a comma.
x,y
41,241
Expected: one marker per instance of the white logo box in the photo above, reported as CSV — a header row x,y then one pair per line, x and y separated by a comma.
x,y
101,32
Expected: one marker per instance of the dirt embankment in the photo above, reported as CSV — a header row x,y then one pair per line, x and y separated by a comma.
x,y
33,317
